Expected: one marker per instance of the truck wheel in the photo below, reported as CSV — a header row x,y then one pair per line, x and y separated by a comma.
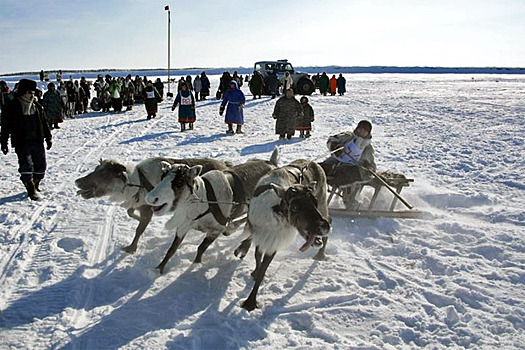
x,y
305,86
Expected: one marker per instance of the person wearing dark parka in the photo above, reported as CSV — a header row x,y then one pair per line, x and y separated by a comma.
x,y
24,122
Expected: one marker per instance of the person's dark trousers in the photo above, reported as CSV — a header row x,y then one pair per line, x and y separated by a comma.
x,y
31,162
340,173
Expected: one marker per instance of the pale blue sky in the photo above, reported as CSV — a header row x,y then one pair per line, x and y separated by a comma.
x,y
77,34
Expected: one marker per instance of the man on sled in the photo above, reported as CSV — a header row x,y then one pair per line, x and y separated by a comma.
x,y
352,156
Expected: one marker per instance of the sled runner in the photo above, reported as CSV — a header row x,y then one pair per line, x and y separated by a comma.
x,y
353,208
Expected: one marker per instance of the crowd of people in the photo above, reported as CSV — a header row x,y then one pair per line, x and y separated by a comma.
x,y
64,99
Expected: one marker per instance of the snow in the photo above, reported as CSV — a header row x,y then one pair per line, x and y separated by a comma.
x,y
454,278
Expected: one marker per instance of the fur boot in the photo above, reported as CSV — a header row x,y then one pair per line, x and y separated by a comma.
x,y
31,191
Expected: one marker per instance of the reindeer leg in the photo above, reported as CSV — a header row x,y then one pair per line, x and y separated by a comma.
x,y
203,246
176,243
131,214
258,258
243,248
145,218
251,303
321,253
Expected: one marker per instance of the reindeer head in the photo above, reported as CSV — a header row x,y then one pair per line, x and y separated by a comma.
x,y
299,206
108,178
176,186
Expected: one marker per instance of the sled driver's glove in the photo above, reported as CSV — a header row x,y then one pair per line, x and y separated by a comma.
x,y
5,149
49,144
221,110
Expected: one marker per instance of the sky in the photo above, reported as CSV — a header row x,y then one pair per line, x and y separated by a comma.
x,y
96,34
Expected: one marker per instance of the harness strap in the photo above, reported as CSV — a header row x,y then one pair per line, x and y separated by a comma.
x,y
144,181
239,193
214,207
296,172
261,189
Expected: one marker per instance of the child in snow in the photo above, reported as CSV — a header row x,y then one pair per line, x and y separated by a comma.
x,y
151,100
186,103
304,121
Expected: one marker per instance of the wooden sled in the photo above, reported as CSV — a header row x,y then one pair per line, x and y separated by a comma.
x,y
350,193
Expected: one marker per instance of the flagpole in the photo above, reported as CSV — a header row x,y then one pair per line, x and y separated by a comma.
x,y
169,41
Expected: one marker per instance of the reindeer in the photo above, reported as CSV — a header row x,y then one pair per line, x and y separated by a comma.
x,y
287,200
130,184
209,203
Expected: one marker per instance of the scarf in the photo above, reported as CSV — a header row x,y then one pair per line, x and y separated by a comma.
x,y
28,106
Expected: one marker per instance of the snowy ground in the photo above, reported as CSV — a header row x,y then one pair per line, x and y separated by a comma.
x,y
454,278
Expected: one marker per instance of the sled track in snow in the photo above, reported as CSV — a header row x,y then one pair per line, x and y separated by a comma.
x,y
35,255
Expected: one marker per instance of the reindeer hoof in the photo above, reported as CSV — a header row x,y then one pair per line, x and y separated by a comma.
x,y
249,305
160,268
320,257
130,249
240,253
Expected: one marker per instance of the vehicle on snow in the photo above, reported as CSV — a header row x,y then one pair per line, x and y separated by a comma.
x,y
302,84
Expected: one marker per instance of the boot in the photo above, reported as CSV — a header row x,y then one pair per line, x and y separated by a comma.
x,y
307,134
301,134
56,126
37,184
182,127
31,192
230,129
239,129
191,126
281,136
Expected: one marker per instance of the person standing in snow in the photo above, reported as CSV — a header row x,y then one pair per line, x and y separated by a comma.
x,y
5,94
235,99
72,97
186,103
197,85
115,91
333,85
273,82
286,112
287,82
87,93
24,122
189,83
324,83
304,121
128,93
341,85
354,155
256,84
53,106
205,86
159,85
79,107
139,89
151,100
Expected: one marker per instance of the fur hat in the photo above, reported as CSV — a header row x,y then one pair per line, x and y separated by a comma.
x,y
25,85
365,124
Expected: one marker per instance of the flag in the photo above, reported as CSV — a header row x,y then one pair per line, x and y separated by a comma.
x,y
167,8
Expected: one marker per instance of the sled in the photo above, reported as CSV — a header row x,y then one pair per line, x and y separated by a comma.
x,y
353,208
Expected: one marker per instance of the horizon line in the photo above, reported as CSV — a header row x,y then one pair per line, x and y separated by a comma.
x,y
402,69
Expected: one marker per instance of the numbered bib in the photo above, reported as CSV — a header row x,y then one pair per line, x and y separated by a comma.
x,y
185,101
351,153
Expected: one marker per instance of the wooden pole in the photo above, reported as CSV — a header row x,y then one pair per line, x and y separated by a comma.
x,y
408,205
